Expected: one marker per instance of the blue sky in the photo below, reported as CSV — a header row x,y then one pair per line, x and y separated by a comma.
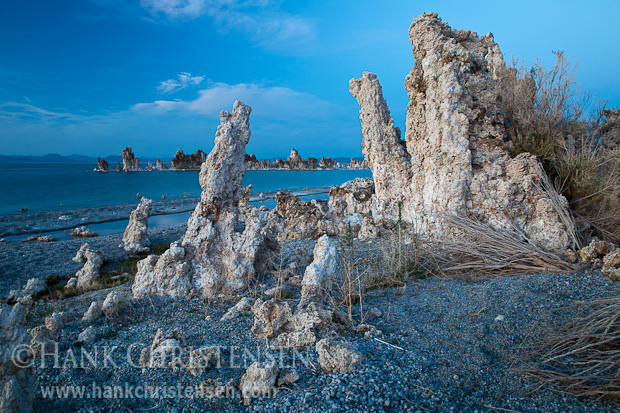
x,y
93,76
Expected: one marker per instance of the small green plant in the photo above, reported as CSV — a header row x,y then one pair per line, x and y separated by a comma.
x,y
352,278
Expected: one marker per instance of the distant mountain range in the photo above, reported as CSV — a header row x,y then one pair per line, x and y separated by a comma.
x,y
112,159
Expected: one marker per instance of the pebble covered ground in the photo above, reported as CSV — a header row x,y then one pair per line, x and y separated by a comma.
x,y
447,345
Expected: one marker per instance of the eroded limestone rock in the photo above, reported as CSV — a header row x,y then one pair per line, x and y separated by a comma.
x,y
221,246
294,218
259,380
113,303
203,359
318,275
33,288
193,161
56,321
135,237
273,319
336,356
87,337
17,384
82,232
94,312
454,159
242,307
92,259
164,352
43,340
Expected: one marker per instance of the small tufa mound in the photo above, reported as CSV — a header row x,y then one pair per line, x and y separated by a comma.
x,y
337,356
56,321
94,312
113,303
135,237
242,307
88,275
87,337
33,288
164,352
259,380
82,232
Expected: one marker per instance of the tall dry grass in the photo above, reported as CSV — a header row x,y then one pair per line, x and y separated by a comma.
x,y
583,357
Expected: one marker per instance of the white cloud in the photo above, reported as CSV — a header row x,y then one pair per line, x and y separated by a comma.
x,y
260,20
183,81
266,101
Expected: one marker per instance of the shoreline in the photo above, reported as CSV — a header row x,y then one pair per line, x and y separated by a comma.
x,y
31,223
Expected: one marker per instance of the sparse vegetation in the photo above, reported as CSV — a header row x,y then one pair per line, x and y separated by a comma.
x,y
550,117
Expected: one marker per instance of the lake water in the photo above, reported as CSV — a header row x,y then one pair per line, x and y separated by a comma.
x,y
45,187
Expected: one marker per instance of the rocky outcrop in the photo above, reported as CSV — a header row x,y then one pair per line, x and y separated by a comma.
x,y
453,160
119,167
350,203
102,165
294,218
259,380
130,162
135,237
221,246
193,161
609,131
93,259
94,312
113,304
293,162
17,377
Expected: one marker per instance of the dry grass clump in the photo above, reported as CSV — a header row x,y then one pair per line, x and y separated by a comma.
x,y
482,250
550,117
583,358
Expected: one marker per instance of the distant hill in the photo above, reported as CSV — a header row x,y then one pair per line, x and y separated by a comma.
x,y
112,159
49,158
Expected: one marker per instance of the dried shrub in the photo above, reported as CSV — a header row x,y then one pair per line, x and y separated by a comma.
x,y
549,116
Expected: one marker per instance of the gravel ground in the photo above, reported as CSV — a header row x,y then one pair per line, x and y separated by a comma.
x,y
442,348
22,260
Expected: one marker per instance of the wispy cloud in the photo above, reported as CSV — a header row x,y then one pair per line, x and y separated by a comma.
x,y
267,101
15,110
182,81
262,21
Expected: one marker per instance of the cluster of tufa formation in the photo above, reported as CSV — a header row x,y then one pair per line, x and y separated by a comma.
x,y
453,159
193,161
222,243
135,237
296,162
